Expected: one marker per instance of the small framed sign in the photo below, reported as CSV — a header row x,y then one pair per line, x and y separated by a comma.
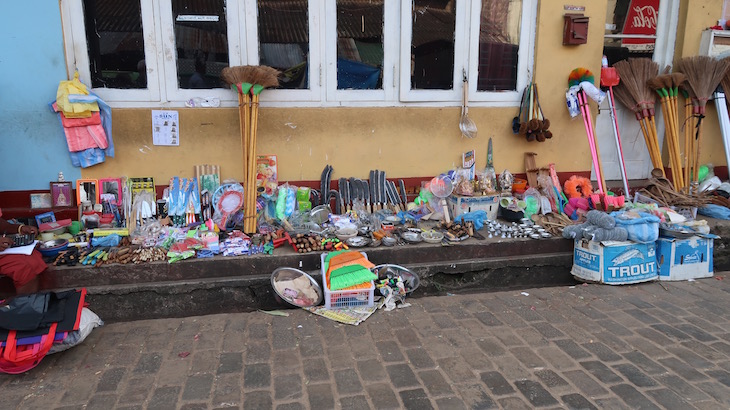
x,y
40,201
62,194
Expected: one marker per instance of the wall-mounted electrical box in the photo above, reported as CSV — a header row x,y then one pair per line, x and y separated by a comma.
x,y
575,29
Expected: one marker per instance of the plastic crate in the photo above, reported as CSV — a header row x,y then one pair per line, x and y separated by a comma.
x,y
334,299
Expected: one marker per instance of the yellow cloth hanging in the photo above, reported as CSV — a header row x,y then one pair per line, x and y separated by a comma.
x,y
74,110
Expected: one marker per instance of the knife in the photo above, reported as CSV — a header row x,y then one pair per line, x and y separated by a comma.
x,y
334,194
366,191
403,194
395,197
342,187
382,188
352,194
322,182
373,196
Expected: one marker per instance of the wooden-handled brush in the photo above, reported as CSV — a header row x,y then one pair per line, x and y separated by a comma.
x,y
249,80
704,74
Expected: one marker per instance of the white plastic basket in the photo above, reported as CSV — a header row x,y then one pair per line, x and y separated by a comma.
x,y
334,299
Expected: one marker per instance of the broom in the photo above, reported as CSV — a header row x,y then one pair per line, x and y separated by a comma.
x,y
633,92
250,80
704,74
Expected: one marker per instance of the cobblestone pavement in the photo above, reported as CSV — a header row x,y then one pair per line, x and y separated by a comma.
x,y
647,346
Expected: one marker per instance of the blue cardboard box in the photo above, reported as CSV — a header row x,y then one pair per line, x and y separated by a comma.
x,y
682,259
614,263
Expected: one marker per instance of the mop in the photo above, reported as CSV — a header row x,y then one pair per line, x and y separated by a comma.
x,y
576,78
610,78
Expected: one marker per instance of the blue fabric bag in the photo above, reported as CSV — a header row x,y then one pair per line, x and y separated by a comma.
x,y
644,229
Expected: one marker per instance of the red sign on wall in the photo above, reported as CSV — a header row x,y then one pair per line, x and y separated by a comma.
x,y
641,18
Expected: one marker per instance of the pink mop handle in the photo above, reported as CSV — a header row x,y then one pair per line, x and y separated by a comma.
x,y
583,101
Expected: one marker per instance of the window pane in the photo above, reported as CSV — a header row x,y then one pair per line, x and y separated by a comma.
x,y
499,38
432,46
201,40
359,45
284,40
622,18
116,44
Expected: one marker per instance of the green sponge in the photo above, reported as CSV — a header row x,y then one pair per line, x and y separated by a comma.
x,y
351,275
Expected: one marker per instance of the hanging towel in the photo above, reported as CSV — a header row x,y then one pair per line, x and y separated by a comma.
x,y
82,137
74,109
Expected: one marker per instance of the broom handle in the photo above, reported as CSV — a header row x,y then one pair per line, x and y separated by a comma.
x,y
589,132
604,188
687,142
246,108
252,166
614,122
668,141
676,172
647,139
655,140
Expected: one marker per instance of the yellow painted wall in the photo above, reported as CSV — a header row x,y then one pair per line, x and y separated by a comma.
x,y
405,142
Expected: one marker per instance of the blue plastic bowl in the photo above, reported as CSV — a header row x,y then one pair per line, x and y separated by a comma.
x,y
50,249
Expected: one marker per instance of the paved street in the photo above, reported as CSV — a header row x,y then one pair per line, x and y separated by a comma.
x,y
644,346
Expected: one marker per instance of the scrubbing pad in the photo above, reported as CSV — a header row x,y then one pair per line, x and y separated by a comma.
x,y
349,276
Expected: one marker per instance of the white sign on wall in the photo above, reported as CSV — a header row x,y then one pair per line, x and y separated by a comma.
x,y
165,127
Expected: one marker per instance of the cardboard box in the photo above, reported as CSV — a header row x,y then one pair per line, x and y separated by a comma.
x,y
614,263
682,259
459,205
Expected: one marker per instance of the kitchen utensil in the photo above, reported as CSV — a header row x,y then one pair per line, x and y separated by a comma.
x,y
403,194
306,294
388,271
466,125
442,186
228,203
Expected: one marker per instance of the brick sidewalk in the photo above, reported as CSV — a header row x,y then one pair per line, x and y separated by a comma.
x,y
593,346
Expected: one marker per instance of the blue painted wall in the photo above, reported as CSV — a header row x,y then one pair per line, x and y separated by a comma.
x,y
32,147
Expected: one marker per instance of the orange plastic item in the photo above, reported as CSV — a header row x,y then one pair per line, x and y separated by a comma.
x,y
609,77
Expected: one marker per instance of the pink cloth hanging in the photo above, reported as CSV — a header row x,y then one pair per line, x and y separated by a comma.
x,y
83,133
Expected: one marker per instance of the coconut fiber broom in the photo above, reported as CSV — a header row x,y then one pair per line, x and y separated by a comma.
x,y
634,73
704,74
249,82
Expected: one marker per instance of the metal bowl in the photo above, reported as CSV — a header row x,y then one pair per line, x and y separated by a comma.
x,y
320,214
432,236
358,241
286,273
409,277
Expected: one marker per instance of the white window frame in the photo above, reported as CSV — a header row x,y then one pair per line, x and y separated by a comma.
x,y
169,62
525,57
390,52
242,20
77,55
292,97
460,57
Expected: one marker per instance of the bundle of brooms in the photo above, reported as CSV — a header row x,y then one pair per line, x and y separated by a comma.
x,y
703,74
667,87
249,82
634,93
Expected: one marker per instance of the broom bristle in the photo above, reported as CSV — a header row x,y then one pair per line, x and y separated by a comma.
x,y
678,79
704,74
655,83
725,82
644,69
623,96
251,74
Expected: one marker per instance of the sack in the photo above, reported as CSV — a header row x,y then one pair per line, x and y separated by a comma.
x,y
641,226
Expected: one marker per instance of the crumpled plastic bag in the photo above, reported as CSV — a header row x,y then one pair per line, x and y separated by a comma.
x,y
715,211
109,240
477,217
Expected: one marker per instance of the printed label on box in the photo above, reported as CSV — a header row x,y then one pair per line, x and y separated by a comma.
x,y
682,259
615,262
